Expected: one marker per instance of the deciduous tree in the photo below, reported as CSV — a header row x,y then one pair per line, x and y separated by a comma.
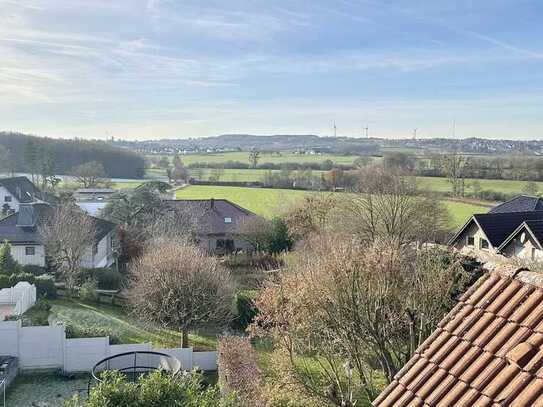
x,y
90,174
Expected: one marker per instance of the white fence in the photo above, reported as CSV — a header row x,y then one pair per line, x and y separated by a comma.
x,y
22,295
46,347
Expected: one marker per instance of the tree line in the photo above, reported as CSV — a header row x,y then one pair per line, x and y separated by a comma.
x,y
46,157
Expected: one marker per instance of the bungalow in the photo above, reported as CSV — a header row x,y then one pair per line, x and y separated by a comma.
x,y
217,222
19,190
21,230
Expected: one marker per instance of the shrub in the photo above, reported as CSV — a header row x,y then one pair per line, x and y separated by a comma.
x,y
8,265
106,278
38,315
238,371
16,278
246,309
33,269
4,281
87,292
45,286
91,331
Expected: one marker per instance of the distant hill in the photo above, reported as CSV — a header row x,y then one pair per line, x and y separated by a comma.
x,y
66,154
339,145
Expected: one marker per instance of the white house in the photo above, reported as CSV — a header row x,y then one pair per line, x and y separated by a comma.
x,y
20,229
18,190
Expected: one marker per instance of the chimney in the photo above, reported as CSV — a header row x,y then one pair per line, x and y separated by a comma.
x,y
212,203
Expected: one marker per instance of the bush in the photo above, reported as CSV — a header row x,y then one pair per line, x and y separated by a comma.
x,y
33,269
87,292
8,265
4,281
91,331
38,315
246,309
45,286
16,278
106,278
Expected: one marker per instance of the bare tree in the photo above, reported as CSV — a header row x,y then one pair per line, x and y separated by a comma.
x,y
348,306
68,235
176,285
254,156
453,166
90,174
311,215
389,207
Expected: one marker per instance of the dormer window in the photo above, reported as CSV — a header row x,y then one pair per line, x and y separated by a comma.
x,y
227,220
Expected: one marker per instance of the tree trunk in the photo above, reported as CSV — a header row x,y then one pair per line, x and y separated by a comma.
x,y
184,338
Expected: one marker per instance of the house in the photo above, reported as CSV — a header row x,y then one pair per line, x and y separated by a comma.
x,y
526,242
93,194
217,222
21,230
19,190
488,231
488,351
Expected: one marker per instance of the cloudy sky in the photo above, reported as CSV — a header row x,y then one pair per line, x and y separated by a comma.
x,y
175,68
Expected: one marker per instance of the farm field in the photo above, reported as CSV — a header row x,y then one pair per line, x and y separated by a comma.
x,y
506,186
282,157
267,202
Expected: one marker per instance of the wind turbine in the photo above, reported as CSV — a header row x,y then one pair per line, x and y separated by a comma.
x,y
366,131
335,129
415,134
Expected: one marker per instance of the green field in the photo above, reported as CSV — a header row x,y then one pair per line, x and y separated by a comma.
x,y
506,186
282,157
267,202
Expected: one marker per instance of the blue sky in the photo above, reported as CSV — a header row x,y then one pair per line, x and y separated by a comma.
x,y
165,68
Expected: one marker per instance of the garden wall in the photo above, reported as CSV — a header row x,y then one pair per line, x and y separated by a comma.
x,y
46,347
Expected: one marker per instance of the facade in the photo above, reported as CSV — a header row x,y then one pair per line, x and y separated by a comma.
x,y
20,230
18,190
216,221
510,229
486,352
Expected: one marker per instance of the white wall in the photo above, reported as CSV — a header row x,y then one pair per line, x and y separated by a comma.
x,y
22,295
14,204
43,347
103,256
19,254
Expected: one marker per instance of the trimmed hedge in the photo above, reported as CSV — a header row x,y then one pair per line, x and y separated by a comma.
x,y
246,309
92,331
16,278
45,286
106,278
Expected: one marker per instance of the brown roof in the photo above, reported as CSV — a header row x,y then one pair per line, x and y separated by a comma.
x,y
488,351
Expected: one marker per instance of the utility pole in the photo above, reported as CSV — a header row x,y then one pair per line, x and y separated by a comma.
x,y
335,129
366,131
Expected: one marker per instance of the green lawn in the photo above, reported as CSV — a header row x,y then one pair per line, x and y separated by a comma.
x,y
267,202
125,326
283,157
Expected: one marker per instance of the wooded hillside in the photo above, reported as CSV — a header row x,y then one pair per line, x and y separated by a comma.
x,y
66,154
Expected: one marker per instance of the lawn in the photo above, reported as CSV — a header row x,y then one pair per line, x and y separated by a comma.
x,y
267,202
127,328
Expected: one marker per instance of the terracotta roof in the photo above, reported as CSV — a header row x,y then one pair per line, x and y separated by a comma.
x,y
488,351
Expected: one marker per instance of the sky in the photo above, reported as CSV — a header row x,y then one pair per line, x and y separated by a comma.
x,y
149,69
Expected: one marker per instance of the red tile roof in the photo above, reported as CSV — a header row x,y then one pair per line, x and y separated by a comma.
x,y
488,351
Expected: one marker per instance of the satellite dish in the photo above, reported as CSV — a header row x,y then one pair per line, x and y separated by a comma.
x,y
523,237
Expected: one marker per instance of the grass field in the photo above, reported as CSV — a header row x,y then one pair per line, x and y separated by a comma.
x,y
267,202
505,186
126,327
282,157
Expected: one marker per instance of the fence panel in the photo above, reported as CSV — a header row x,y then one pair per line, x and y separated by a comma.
x,y
204,360
9,338
81,354
41,347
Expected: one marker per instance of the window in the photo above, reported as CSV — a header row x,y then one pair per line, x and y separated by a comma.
x,y
533,253
227,220
483,243
471,241
30,251
225,244
7,198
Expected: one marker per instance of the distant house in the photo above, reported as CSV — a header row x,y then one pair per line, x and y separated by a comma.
x,y
513,229
485,352
19,190
21,230
94,194
217,222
